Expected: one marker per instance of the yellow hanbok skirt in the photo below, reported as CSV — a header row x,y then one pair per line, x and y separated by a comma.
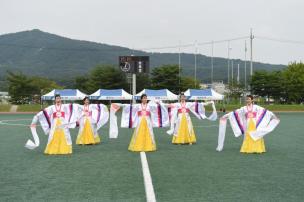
x,y
183,135
87,135
142,140
58,144
249,145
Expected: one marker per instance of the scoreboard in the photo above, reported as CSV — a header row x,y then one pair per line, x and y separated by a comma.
x,y
134,64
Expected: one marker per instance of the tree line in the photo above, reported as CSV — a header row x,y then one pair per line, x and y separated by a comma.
x,y
285,86
23,89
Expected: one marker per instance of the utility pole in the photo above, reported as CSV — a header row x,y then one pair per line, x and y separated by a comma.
x,y
232,71
228,61
251,39
133,84
134,87
238,74
195,44
212,45
245,66
179,67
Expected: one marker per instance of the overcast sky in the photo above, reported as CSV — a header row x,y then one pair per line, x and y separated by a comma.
x,y
159,23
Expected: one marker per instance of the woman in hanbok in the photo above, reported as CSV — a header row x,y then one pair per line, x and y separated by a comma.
x,y
143,117
91,118
252,121
55,121
181,124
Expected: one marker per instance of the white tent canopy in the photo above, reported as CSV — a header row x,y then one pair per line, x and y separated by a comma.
x,y
113,94
162,94
203,94
65,94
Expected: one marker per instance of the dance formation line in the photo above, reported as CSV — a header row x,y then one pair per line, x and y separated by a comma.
x,y
252,121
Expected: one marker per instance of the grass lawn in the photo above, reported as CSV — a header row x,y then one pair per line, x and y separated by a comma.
x,y
5,107
274,107
29,108
108,172
37,107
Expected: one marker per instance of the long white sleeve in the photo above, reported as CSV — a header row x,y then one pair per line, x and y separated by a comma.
x,y
267,125
34,144
113,130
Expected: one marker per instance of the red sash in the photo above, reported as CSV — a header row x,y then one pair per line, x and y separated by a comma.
x,y
251,114
144,113
87,113
183,110
58,114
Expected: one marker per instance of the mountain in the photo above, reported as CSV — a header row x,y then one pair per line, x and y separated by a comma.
x,y
40,53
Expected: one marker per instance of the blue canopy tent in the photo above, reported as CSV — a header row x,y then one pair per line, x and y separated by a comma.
x,y
162,94
65,94
113,94
203,94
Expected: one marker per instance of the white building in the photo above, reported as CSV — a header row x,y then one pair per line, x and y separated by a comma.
x,y
219,87
4,97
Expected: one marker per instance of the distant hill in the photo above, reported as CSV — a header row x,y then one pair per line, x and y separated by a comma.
x,y
40,53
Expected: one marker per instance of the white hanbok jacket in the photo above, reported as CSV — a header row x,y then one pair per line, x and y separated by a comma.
x,y
98,115
196,108
265,122
131,117
67,114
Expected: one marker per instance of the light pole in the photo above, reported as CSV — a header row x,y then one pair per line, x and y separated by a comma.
x,y
251,65
179,66
195,65
212,46
228,60
245,66
133,84
238,74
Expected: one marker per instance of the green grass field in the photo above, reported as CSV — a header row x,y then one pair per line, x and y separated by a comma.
x,y
5,107
271,107
29,108
230,107
108,172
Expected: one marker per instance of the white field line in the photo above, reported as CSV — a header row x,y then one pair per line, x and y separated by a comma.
x,y
14,124
4,122
150,195
13,120
198,126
